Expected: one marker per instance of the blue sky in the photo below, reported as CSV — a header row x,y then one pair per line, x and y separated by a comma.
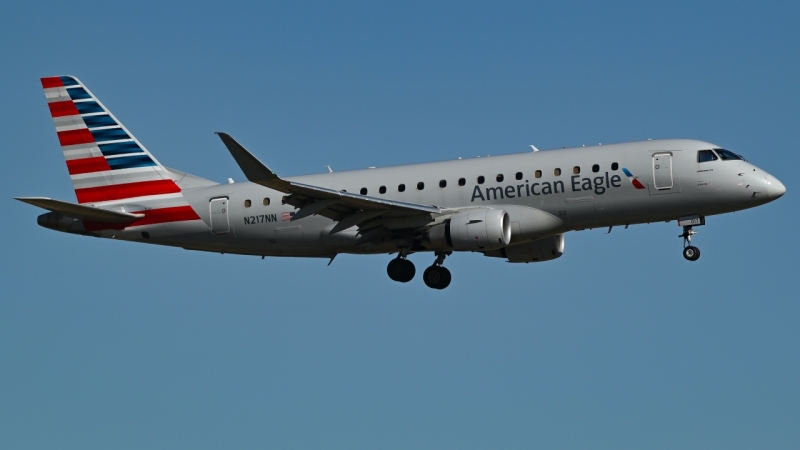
x,y
618,344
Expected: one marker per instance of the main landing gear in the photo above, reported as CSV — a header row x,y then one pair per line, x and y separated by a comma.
x,y
690,252
400,269
436,276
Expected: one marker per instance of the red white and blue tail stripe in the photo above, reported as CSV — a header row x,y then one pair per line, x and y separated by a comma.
x,y
106,163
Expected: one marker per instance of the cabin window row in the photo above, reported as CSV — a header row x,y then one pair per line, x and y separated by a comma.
x,y
481,179
248,203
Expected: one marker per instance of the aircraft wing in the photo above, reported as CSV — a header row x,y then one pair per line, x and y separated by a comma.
x,y
80,212
346,208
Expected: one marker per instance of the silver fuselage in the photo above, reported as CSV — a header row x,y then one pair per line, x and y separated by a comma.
x,y
571,201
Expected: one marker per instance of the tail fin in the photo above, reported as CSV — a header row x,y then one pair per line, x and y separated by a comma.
x,y
106,163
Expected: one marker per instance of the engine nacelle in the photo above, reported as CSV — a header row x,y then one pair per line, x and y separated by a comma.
x,y
479,230
533,251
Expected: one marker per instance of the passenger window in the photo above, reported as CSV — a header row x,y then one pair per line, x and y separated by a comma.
x,y
265,202
420,186
499,177
557,172
596,168
247,203
382,189
576,170
481,179
706,156
401,188
519,175
537,174
462,181
442,183
363,191
614,166
727,155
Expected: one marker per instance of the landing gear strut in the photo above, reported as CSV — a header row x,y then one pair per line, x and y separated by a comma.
x,y
690,252
437,276
400,269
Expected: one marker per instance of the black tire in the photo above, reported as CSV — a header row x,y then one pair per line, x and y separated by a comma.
x,y
401,270
432,276
446,278
436,277
691,253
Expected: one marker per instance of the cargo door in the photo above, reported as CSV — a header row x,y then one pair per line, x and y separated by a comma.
x,y
219,215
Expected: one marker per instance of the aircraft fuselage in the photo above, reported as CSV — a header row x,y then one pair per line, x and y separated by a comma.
x,y
581,200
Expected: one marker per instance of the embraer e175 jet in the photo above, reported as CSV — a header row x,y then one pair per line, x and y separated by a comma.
x,y
515,207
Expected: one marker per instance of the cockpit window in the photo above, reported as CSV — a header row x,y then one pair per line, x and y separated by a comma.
x,y
727,155
705,156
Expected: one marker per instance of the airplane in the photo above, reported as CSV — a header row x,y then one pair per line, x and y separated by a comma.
x,y
515,207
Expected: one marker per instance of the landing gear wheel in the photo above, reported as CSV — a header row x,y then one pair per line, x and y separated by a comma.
x,y
401,270
691,253
436,277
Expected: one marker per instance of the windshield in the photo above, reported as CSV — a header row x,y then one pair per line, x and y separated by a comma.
x,y
705,156
726,155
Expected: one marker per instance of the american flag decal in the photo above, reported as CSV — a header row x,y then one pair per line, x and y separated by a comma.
x,y
287,215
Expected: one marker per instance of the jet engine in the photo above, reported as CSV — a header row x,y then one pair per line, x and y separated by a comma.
x,y
539,250
479,230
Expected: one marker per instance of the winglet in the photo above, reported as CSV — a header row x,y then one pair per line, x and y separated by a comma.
x,y
252,168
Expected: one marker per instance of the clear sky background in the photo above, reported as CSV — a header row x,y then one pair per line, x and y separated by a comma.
x,y
619,344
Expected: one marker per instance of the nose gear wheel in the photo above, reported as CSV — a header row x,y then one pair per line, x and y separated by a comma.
x,y
690,252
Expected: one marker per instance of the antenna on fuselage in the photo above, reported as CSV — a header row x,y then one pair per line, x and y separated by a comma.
x,y
329,169
534,148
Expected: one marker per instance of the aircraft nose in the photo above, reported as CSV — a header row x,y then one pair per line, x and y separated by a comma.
x,y
775,188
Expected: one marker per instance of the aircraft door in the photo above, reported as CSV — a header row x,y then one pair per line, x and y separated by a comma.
x,y
219,215
662,171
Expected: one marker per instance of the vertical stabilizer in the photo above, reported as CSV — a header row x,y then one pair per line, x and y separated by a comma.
x,y
109,167
106,163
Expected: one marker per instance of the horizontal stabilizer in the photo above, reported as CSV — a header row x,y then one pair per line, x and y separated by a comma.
x,y
80,212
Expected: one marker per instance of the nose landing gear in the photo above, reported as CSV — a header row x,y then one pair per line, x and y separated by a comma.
x,y
437,276
690,252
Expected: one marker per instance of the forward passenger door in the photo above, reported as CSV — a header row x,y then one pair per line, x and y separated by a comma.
x,y
662,171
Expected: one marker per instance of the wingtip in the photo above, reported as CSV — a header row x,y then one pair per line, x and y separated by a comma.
x,y
29,199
